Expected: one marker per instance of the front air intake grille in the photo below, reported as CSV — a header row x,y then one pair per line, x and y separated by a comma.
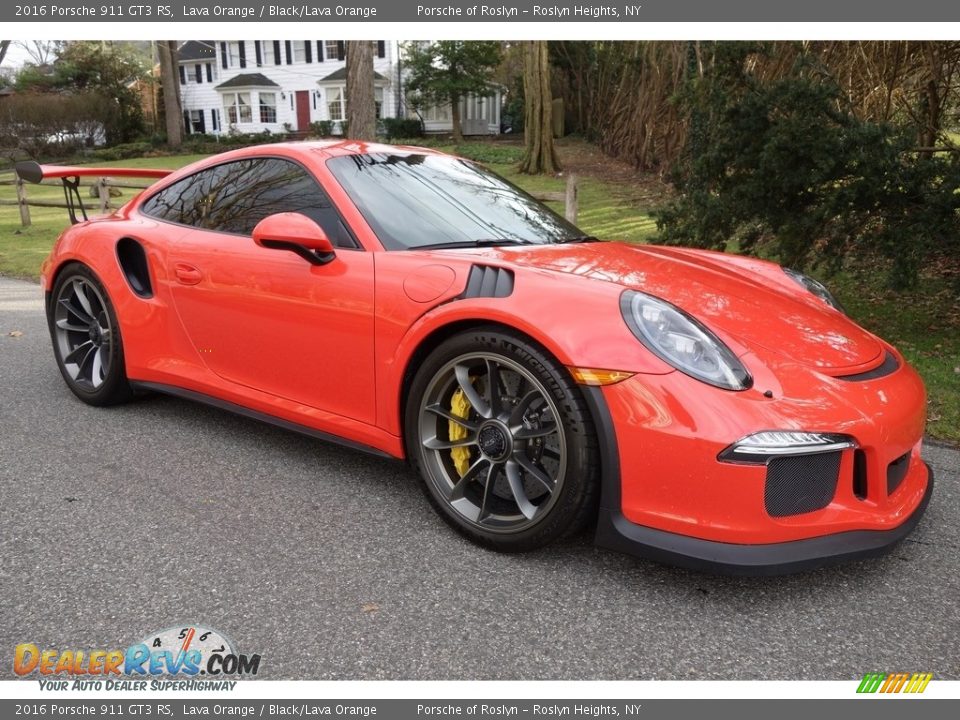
x,y
896,472
801,484
486,281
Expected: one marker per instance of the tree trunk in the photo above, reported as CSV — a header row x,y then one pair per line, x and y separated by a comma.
x,y
170,82
455,119
4,44
540,155
361,105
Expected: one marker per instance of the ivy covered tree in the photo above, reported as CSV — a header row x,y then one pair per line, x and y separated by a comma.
x,y
443,72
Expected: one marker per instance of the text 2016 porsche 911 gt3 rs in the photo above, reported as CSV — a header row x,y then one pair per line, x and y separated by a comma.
x,y
701,408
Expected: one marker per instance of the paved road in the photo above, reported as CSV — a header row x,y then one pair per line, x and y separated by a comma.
x,y
115,523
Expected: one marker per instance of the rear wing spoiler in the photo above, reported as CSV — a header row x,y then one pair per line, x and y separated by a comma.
x,y
70,176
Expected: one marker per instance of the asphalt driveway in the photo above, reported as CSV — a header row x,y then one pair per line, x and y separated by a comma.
x,y
119,522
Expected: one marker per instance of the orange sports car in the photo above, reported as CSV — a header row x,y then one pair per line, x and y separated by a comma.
x,y
699,408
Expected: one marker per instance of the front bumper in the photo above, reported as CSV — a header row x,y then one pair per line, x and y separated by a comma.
x,y
615,532
670,494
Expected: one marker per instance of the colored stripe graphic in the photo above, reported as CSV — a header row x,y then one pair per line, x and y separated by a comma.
x,y
894,682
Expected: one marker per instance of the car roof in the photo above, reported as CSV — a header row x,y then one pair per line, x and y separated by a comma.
x,y
329,148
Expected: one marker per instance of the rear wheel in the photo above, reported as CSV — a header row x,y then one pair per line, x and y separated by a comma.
x,y
86,338
502,441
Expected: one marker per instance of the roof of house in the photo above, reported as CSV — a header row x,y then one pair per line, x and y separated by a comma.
x,y
194,50
341,75
247,80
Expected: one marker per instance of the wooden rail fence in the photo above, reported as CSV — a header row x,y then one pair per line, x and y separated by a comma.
x,y
102,185
569,198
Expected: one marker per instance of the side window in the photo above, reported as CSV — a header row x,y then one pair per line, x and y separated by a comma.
x,y
235,196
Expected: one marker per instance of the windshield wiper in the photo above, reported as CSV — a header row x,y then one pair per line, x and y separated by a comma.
x,y
483,242
577,239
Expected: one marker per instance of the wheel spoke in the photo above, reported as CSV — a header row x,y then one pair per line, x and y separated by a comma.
x,y
457,491
516,487
65,324
96,372
81,294
86,362
487,491
78,355
462,373
525,433
526,402
438,409
530,467
77,312
436,443
494,386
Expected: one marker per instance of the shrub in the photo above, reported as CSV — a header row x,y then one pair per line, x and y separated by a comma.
x,y
784,167
395,128
321,128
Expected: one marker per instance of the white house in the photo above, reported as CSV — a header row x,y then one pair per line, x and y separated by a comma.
x,y
249,86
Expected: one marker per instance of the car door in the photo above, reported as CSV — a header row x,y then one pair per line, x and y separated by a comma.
x,y
266,318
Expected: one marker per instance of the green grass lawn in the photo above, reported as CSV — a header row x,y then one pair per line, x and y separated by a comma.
x,y
925,324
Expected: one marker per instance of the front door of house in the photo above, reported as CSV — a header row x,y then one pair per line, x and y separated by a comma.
x,y
303,111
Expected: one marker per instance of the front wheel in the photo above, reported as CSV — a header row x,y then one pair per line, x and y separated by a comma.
x,y
86,338
502,441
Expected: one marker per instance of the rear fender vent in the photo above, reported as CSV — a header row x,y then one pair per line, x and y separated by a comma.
x,y
491,282
133,261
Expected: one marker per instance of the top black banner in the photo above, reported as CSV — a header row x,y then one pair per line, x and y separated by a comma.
x,y
739,11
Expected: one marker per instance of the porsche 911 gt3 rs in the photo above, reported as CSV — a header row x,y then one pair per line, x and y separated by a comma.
x,y
699,408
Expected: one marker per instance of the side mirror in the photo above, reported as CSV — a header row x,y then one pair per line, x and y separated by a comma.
x,y
296,233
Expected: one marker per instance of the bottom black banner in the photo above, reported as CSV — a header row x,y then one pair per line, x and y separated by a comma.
x,y
874,708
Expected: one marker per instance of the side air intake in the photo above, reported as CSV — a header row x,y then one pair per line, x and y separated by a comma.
x,y
486,281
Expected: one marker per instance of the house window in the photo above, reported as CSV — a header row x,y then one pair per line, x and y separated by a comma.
x,y
268,107
196,122
269,58
299,52
436,113
378,101
215,119
238,108
333,49
233,54
335,104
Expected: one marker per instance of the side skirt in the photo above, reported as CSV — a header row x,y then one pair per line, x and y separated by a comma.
x,y
257,415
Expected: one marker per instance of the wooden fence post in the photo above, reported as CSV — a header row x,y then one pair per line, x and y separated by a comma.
x,y
571,201
104,191
22,201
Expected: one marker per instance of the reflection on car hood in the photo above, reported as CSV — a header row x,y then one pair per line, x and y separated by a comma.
x,y
715,288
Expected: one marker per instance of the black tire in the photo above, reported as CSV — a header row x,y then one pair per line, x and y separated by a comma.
x,y
517,471
86,338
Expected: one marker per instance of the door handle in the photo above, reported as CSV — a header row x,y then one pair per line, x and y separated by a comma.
x,y
187,274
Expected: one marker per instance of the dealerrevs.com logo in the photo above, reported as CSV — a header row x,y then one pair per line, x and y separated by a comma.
x,y
177,652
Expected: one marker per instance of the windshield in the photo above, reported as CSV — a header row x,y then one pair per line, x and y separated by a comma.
x,y
415,201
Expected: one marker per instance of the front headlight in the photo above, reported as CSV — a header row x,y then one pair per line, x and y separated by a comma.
x,y
814,286
683,342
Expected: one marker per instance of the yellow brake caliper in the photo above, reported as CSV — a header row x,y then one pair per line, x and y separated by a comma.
x,y
459,406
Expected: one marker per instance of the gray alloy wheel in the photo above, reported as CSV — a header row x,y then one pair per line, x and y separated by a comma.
x,y
511,440
502,441
86,338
